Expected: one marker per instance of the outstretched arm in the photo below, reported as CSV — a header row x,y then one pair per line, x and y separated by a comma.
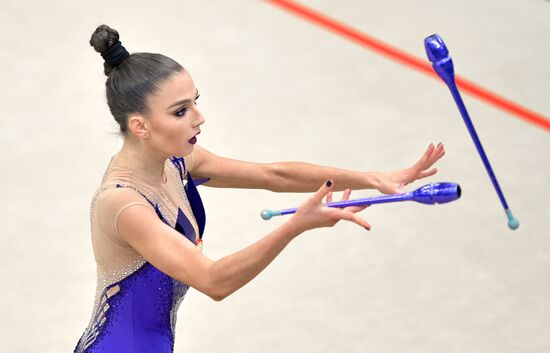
x,y
176,256
304,177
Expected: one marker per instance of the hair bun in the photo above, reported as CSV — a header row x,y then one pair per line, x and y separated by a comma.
x,y
105,41
103,38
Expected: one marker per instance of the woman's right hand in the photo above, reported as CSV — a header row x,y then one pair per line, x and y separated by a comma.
x,y
313,214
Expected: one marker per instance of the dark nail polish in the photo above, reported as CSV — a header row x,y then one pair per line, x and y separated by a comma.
x,y
329,183
367,229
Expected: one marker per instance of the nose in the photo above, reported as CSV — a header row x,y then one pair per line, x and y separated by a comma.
x,y
200,119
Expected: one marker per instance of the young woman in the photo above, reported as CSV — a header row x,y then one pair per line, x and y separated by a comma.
x,y
147,218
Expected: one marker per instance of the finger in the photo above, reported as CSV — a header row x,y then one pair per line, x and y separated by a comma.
x,y
356,209
323,190
440,147
427,173
347,192
441,152
352,217
425,157
437,154
428,153
329,197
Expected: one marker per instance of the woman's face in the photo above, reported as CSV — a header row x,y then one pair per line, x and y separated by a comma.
x,y
174,120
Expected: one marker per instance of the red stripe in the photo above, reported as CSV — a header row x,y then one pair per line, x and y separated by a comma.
x,y
412,61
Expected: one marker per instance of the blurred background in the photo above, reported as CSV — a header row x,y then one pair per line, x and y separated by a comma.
x,y
448,278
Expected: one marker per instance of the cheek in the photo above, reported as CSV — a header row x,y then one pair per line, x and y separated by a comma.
x,y
168,129
172,138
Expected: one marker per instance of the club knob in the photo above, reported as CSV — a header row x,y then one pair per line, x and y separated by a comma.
x,y
266,214
513,223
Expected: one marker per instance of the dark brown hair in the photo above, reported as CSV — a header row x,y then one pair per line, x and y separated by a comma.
x,y
134,80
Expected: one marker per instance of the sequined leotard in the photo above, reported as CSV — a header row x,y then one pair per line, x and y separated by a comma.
x,y
135,303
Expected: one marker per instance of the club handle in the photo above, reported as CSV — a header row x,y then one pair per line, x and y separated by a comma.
x,y
267,214
428,194
438,54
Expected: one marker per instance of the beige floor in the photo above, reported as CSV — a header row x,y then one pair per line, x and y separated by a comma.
x,y
448,278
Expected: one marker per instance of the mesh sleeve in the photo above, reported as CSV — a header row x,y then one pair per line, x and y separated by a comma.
x,y
112,202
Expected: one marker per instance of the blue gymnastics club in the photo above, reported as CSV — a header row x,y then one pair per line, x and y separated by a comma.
x,y
443,65
427,194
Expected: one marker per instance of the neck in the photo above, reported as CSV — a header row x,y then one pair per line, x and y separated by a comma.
x,y
142,161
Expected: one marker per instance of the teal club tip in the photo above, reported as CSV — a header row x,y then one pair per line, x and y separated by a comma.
x,y
267,214
513,223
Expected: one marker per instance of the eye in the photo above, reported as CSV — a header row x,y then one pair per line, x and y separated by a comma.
x,y
197,97
181,112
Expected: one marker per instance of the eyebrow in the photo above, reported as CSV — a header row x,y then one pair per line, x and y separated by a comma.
x,y
183,101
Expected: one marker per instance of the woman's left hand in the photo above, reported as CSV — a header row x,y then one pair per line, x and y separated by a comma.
x,y
393,182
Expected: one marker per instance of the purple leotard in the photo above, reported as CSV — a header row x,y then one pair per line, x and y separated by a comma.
x,y
137,313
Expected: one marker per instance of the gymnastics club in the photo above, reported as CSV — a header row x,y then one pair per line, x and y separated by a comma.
x,y
443,65
427,194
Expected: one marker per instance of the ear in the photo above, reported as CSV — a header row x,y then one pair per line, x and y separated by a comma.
x,y
138,126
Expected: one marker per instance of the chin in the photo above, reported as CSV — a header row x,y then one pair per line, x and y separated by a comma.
x,y
184,151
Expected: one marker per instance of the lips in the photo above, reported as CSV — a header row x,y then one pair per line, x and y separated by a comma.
x,y
193,140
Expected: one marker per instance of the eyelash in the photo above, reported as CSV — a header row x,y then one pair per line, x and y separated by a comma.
x,y
184,109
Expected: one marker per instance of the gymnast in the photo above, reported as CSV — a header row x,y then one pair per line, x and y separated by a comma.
x,y
147,218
